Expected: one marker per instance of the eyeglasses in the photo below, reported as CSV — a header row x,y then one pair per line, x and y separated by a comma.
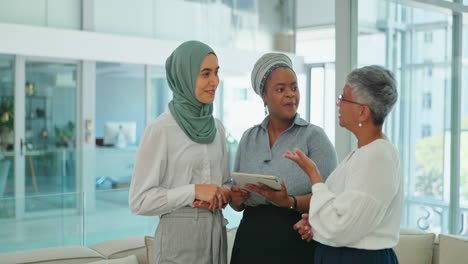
x,y
341,99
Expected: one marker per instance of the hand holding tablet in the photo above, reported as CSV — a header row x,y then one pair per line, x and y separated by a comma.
x,y
242,179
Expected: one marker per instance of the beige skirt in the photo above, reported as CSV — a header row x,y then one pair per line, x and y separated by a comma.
x,y
191,235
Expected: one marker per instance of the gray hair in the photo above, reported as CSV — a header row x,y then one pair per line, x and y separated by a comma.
x,y
375,87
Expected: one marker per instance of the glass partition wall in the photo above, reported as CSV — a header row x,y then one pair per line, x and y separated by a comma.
x,y
7,133
464,133
120,121
37,134
49,143
416,43
58,172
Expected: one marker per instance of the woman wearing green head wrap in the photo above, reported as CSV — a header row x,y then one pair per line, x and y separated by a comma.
x,y
181,171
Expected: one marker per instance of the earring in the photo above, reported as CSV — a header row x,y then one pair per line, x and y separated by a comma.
x,y
360,124
265,108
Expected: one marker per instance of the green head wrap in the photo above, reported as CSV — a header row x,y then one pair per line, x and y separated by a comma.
x,y
182,70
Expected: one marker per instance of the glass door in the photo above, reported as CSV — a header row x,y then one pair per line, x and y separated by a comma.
x,y
7,134
49,146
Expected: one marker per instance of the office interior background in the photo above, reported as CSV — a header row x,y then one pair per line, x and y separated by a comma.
x,y
76,73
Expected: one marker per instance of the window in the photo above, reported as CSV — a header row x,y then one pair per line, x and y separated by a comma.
x,y
418,52
426,131
429,72
464,130
428,37
427,100
242,94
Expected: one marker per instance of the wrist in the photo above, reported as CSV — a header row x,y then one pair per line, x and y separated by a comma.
x,y
314,176
293,205
196,191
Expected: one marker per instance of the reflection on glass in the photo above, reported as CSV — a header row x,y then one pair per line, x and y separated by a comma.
x,y
49,144
7,134
110,218
106,218
62,226
419,55
120,99
427,217
242,24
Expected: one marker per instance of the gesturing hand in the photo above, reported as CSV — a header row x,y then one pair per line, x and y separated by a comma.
x,y
301,159
305,163
304,228
280,197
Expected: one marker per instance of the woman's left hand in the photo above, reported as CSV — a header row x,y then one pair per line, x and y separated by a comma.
x,y
300,159
279,197
224,199
304,228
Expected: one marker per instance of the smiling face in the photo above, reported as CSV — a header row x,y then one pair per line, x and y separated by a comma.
x,y
208,80
282,94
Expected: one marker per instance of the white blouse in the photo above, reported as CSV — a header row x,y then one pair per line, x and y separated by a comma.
x,y
360,204
169,164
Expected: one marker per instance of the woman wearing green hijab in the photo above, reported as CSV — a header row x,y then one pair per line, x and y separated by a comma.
x,y
181,171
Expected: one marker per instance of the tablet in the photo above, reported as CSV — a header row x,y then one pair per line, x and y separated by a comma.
x,y
242,179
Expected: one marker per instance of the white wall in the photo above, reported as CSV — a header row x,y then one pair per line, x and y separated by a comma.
x,y
82,45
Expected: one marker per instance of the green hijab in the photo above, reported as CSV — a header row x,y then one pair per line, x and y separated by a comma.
x,y
182,69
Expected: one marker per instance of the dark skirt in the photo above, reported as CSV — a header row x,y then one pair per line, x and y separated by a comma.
x,y
343,255
266,235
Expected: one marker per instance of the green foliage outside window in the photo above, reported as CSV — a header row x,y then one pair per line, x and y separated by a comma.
x,y
430,165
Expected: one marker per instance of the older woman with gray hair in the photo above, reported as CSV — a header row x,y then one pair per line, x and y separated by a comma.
x,y
355,215
265,234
